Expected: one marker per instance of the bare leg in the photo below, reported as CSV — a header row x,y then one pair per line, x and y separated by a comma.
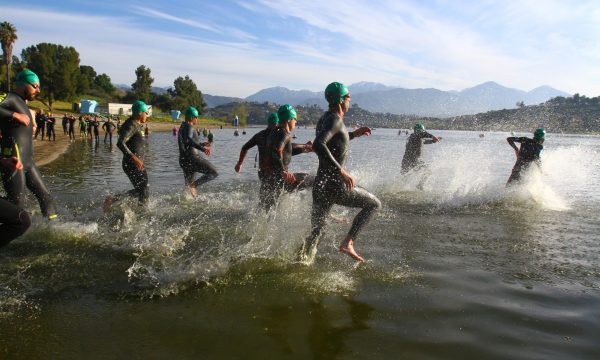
x,y
192,190
348,248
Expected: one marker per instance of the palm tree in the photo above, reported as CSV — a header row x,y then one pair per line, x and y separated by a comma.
x,y
8,35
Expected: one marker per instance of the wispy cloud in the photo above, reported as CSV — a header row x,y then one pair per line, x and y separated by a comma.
x,y
239,47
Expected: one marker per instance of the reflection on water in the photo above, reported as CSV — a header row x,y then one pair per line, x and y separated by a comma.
x,y
461,268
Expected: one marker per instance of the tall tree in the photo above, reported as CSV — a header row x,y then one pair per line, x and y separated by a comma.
x,y
86,78
57,67
103,82
185,93
142,87
8,36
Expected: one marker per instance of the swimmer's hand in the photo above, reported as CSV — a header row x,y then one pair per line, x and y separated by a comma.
x,y
21,118
139,164
238,167
436,139
289,177
207,148
348,180
12,163
308,147
365,130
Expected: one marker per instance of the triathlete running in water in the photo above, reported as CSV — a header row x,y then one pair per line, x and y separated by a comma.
x,y
189,157
14,220
16,125
414,148
528,153
131,143
279,144
264,156
333,183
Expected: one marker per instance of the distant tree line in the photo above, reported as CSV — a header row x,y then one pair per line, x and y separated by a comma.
x,y
62,77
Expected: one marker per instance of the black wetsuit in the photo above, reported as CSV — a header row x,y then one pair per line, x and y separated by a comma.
x,y
131,142
40,123
65,121
279,144
50,128
529,152
14,221
96,126
265,167
72,127
414,150
108,127
189,156
17,136
331,146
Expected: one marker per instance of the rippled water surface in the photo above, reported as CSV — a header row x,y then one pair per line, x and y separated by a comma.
x,y
462,268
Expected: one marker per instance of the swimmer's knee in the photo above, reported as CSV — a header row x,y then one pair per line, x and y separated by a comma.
x,y
25,219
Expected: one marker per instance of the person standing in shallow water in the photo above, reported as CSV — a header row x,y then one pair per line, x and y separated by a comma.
x,y
16,126
189,158
528,153
333,183
109,128
131,143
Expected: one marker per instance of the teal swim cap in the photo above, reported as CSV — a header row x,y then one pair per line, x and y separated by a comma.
x,y
286,113
191,112
273,119
27,77
539,134
419,127
335,92
139,107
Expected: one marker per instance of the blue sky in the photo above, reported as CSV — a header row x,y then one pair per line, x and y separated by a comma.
x,y
235,48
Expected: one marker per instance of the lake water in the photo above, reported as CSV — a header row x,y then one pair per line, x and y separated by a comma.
x,y
463,268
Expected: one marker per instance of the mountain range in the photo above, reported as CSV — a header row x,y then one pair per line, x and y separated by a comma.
x,y
376,97
421,102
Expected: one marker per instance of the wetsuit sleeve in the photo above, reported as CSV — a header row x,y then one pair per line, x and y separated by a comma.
x,y
323,136
188,139
252,142
5,112
427,135
298,149
126,133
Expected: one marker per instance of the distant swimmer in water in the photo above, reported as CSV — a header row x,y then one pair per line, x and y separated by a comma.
x,y
528,153
265,167
14,220
16,126
131,144
333,183
413,153
189,158
279,144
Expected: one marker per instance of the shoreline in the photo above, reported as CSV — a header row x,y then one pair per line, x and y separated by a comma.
x,y
45,152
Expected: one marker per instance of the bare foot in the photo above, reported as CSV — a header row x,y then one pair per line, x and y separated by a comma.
x,y
338,219
193,191
348,248
107,203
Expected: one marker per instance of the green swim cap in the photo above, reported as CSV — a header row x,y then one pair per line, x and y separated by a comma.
x,y
335,92
139,107
419,127
273,119
27,77
191,112
539,134
286,113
